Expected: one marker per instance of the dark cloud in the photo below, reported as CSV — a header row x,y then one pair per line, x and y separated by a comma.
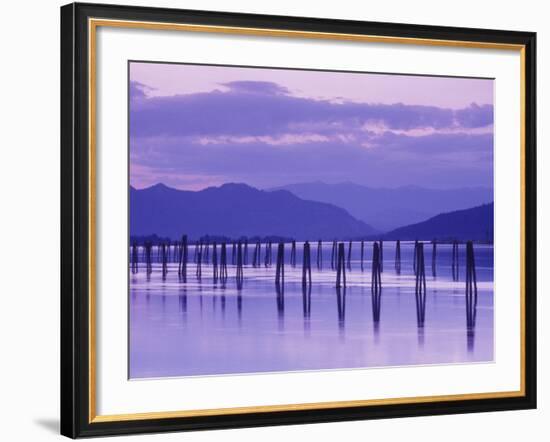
x,y
475,116
256,132
263,108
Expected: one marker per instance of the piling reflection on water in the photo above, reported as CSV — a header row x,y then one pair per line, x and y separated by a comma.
x,y
420,284
306,300
213,268
341,303
471,294
376,284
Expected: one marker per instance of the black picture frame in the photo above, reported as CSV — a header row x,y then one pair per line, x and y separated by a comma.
x,y
75,220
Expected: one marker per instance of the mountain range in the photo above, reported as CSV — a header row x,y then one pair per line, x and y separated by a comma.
x,y
237,210
388,208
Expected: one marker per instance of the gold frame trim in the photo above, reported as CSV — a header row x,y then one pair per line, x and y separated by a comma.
x,y
93,24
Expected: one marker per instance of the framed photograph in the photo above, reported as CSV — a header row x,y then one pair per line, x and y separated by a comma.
x,y
275,220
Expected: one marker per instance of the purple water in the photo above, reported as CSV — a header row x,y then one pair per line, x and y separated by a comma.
x,y
202,328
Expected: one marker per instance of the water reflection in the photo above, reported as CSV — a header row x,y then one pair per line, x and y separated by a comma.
x,y
306,306
183,301
280,288
471,296
306,300
376,305
423,322
376,286
420,285
240,306
341,303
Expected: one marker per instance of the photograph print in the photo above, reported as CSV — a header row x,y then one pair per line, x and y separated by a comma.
x,y
289,220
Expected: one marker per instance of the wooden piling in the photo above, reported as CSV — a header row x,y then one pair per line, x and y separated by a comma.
x,y
198,250
206,254
454,263
415,256
223,263
349,256
280,265
182,267
148,257
240,274
398,257
471,286
381,256
257,254
333,256
362,254
341,266
319,254
267,258
280,280
164,258
293,254
198,271
134,257
376,285
306,265
234,254
245,257
215,271
434,257
376,277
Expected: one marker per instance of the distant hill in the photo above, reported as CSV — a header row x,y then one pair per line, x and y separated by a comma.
x,y
469,224
236,210
387,209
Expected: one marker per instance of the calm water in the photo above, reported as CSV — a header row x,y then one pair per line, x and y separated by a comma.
x,y
202,328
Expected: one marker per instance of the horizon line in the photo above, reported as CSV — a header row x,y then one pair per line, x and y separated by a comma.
x,y
283,186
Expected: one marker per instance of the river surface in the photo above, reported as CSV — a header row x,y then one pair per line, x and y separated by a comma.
x,y
200,327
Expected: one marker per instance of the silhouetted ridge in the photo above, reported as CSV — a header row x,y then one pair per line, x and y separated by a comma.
x,y
235,210
388,208
474,224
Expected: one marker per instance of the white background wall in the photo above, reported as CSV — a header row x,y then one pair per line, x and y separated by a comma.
x,y
29,201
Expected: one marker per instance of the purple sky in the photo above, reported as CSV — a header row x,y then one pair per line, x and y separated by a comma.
x,y
196,126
